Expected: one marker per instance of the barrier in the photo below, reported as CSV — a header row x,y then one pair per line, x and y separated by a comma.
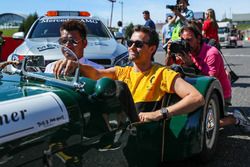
x,y
9,46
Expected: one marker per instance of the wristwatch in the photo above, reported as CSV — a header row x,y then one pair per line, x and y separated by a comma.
x,y
164,112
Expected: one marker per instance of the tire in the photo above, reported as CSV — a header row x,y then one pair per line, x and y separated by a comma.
x,y
211,127
234,44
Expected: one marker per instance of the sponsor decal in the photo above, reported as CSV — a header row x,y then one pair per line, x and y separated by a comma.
x,y
93,21
47,47
28,115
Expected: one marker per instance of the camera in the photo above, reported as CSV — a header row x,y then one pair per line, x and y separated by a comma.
x,y
172,7
179,46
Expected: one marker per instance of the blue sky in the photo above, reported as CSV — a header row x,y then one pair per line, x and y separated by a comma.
x,y
132,9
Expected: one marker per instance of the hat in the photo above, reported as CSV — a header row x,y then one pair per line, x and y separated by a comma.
x,y
177,2
145,12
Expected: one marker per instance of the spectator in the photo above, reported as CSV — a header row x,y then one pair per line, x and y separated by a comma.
x,y
73,36
149,22
121,32
210,28
167,30
142,47
208,61
1,44
181,15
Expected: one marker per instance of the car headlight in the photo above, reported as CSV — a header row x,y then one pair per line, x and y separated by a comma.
x,y
16,57
122,60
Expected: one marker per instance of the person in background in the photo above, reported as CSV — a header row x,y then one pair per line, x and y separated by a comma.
x,y
167,30
207,60
147,81
1,44
74,36
210,28
149,22
121,32
181,16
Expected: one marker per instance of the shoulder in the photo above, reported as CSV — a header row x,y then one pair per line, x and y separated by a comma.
x,y
122,69
207,22
189,12
211,51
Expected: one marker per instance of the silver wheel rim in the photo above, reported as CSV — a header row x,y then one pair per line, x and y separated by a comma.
x,y
211,123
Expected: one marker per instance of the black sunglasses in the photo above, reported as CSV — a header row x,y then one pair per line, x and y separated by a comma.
x,y
64,41
138,44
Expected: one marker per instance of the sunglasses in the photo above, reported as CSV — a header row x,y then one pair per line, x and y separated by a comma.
x,y
138,44
64,41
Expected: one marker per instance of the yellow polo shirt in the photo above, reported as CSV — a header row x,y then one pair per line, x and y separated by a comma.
x,y
147,88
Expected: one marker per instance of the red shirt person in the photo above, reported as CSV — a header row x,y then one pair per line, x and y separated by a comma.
x,y
210,26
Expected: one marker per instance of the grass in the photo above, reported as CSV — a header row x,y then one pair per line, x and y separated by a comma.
x,y
243,26
9,32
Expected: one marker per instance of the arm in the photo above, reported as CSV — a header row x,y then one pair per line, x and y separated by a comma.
x,y
205,27
191,99
69,66
189,16
172,21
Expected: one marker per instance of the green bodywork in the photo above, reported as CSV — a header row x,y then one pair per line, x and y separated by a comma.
x,y
152,142
175,139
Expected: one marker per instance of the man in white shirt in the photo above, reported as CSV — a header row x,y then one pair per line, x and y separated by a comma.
x,y
74,36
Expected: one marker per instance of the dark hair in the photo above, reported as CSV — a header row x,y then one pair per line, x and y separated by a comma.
x,y
119,23
194,26
1,32
178,1
153,35
145,12
75,25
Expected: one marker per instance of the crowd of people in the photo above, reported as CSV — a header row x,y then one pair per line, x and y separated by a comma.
x,y
205,58
204,54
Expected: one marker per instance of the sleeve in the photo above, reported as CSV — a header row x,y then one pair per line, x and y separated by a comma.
x,y
121,73
168,80
49,68
205,25
189,15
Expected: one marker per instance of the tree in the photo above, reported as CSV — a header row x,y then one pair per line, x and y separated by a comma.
x,y
226,19
27,23
129,31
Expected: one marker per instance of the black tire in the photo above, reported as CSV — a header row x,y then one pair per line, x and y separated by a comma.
x,y
211,127
234,44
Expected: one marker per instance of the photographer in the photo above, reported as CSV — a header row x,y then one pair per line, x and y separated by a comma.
x,y
208,60
181,15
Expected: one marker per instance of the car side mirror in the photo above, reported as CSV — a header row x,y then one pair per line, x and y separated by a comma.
x,y
18,35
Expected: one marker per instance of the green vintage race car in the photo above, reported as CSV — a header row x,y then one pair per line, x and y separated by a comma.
x,y
76,121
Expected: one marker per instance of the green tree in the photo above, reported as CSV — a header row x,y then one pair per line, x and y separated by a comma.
x,y
227,19
27,23
129,31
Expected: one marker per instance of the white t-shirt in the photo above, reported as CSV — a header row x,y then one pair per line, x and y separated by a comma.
x,y
83,60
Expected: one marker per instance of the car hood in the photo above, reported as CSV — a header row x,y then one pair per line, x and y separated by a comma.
x,y
97,48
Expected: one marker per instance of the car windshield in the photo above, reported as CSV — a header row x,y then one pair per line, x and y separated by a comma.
x,y
223,30
48,27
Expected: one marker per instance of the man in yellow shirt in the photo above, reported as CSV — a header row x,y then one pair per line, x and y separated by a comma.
x,y
148,82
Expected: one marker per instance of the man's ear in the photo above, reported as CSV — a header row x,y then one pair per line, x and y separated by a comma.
x,y
85,43
152,48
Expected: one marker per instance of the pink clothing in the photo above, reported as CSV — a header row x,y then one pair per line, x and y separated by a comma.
x,y
210,62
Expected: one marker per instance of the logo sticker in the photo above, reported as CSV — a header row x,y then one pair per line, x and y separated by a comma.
x,y
28,115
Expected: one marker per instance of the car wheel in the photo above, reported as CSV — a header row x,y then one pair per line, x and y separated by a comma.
x,y
234,44
211,127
